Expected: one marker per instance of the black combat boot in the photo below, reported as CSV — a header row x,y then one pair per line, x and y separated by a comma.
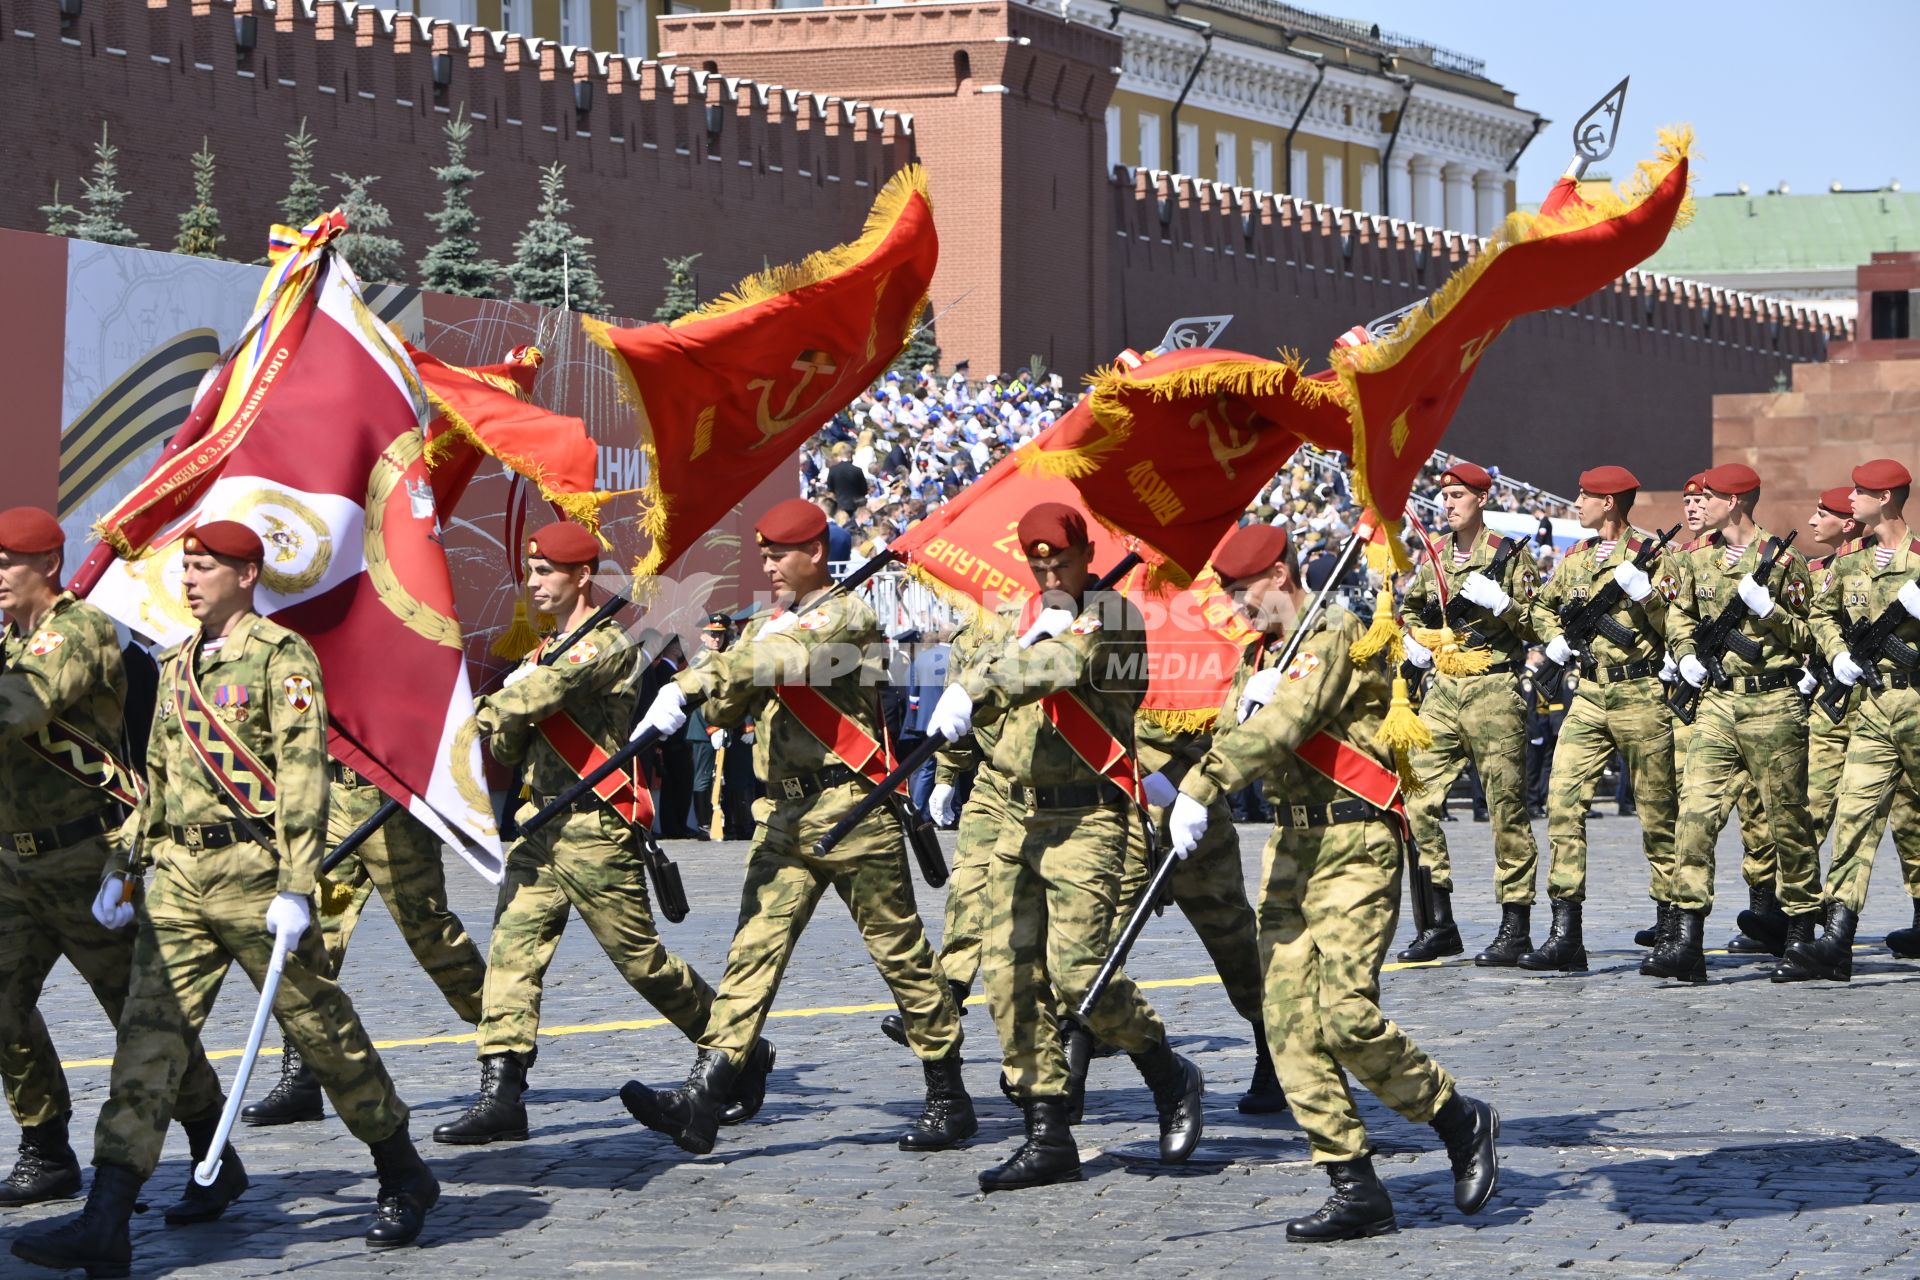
x,y
1763,925
204,1204
1513,939
47,1168
1565,949
1830,956
1077,1043
1668,914
947,1120
750,1086
1799,930
1178,1088
1441,937
894,1027
96,1237
1469,1126
1905,943
499,1115
294,1099
690,1115
1049,1154
1650,937
1680,956
1359,1207
408,1190
1264,1096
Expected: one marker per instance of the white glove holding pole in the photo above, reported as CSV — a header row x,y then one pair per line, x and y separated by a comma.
x,y
1756,597
717,739
1559,652
668,714
952,716
1693,671
1186,824
1160,790
109,905
1486,593
1049,624
288,916
1807,684
1261,686
1633,580
518,674
1418,654
1668,672
940,804
1846,670
1909,599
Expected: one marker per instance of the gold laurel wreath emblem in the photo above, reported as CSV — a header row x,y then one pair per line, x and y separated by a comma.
x,y
466,743
310,522
419,618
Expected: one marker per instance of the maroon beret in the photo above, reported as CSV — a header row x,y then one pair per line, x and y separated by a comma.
x,y
1881,473
1467,474
792,522
1838,502
1604,482
227,538
1732,478
564,542
1696,485
30,531
1050,527
1249,550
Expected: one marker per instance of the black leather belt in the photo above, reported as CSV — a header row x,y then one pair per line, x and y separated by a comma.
x,y
1766,683
812,784
1900,680
346,777
1324,815
1079,795
1622,671
47,839
210,835
591,800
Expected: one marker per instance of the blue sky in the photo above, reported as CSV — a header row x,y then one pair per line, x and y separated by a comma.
x,y
1804,92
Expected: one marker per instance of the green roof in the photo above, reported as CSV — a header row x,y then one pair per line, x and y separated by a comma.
x,y
1766,232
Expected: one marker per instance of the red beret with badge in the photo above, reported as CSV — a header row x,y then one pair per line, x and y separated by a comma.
x,y
790,523
1881,473
1051,527
1466,473
1249,550
30,531
1607,482
1696,485
228,538
564,542
1732,479
1838,501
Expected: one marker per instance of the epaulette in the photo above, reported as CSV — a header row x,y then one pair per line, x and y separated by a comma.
x,y
1585,543
1852,548
1635,541
1814,566
1913,545
1695,545
1494,540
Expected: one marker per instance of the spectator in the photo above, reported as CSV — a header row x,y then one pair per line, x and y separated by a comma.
x,y
845,481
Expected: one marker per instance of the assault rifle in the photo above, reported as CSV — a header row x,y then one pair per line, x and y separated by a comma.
x,y
1722,634
1581,621
1455,616
1867,644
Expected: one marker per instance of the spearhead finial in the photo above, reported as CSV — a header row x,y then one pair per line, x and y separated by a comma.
x,y
1594,133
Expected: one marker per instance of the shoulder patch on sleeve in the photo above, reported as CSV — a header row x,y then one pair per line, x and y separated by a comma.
x,y
1797,592
1085,624
1303,665
45,641
299,691
584,652
1669,587
815,619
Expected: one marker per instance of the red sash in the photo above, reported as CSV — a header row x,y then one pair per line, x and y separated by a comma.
x,y
1090,740
837,732
1351,769
625,789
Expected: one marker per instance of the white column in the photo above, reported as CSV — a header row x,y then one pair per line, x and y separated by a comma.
x,y
1459,182
1490,200
1399,188
1428,198
1370,188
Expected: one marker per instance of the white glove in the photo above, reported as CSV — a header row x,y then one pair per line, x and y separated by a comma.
x,y
1668,671
1756,597
1909,598
1559,652
1486,593
1633,580
108,909
518,674
668,714
288,916
717,738
1187,823
1846,670
1807,684
1261,686
1049,624
952,716
940,804
1418,654
1160,789
1693,671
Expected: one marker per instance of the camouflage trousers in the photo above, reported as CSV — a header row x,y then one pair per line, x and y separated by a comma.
x,y
1882,762
1052,891
588,861
1827,744
402,860
1757,863
204,911
1210,889
46,912
987,813
1630,716
1482,719
785,881
1328,910
1764,734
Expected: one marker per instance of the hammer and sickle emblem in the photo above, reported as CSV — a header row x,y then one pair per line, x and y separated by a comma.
x,y
1224,439
811,365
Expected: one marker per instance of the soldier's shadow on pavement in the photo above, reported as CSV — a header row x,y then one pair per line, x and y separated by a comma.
x,y
1763,1180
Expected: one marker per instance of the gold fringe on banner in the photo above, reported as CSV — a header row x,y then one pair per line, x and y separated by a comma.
x,y
518,639
1451,657
1402,733
583,508
1179,720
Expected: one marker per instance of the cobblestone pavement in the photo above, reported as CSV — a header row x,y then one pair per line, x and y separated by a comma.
x,y
1736,1129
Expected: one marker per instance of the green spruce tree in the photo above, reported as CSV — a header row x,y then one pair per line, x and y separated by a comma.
x,y
921,350
62,217
680,297
454,263
552,263
105,218
200,224
306,199
374,257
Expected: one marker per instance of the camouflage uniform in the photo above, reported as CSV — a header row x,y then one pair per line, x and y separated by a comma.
x,y
205,908
1054,884
68,668
402,861
806,795
1620,704
1757,864
1763,732
1826,760
1331,899
1481,718
586,859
